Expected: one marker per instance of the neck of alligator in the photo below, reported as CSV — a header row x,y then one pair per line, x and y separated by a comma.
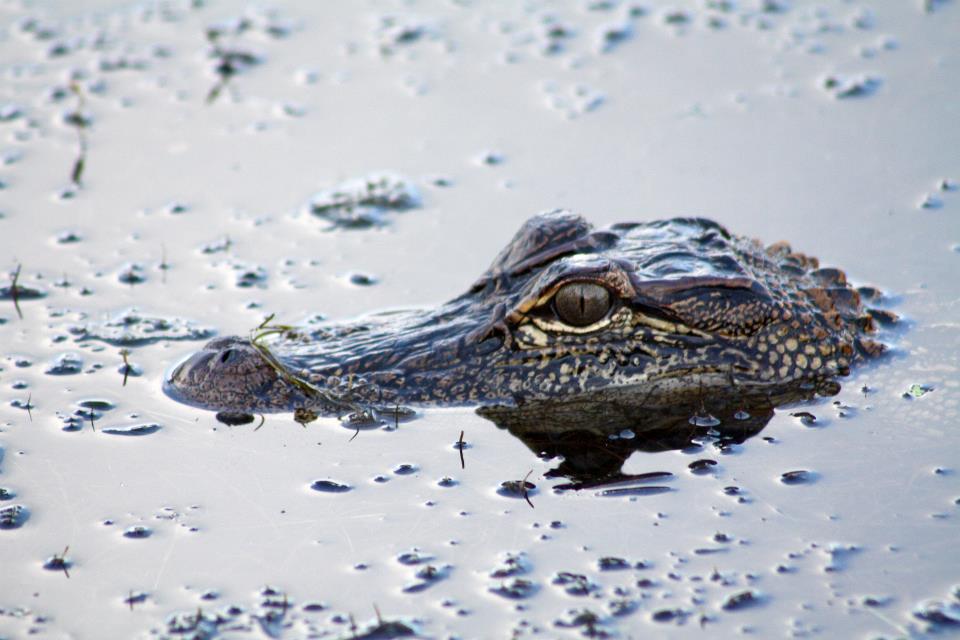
x,y
570,326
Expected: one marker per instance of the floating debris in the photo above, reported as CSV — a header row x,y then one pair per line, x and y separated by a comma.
x,y
516,589
81,121
68,237
13,516
575,584
806,418
141,429
329,486
137,532
227,61
591,622
20,292
426,577
742,600
365,202
131,328
65,364
612,35
850,87
406,469
669,615
619,492
491,158
59,562
220,245
938,613
800,476
132,273
362,279
517,489
575,101
702,466
512,564
304,416
413,557
916,390
929,202
394,32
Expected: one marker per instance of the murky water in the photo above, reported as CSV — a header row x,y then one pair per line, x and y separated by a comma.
x,y
171,171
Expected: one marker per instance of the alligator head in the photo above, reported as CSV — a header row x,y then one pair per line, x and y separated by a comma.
x,y
576,324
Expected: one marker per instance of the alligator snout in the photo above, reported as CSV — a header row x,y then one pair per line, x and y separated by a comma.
x,y
226,373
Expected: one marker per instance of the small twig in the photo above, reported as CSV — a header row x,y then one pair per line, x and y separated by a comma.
x,y
80,123
126,365
92,425
164,267
523,488
29,406
62,561
198,619
376,610
263,419
353,627
356,433
461,443
130,599
15,292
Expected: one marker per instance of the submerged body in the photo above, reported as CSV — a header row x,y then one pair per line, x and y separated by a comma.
x,y
573,321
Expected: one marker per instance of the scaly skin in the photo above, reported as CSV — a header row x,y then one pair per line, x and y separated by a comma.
x,y
697,317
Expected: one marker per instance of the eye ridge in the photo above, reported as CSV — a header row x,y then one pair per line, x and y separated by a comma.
x,y
582,303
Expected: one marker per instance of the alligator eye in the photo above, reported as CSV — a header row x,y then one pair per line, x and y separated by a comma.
x,y
581,303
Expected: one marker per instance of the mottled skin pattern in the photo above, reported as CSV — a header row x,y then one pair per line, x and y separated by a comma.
x,y
696,315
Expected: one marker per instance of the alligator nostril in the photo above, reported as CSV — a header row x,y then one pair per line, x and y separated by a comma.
x,y
225,356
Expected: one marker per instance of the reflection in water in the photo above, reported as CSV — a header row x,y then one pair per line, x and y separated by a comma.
x,y
594,440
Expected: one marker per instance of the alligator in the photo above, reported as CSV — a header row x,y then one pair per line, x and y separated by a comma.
x,y
572,328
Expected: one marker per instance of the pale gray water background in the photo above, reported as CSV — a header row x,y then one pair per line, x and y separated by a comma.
x,y
724,115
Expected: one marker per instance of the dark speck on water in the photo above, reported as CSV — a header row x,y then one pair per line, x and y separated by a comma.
x,y
741,600
97,405
68,237
413,557
610,563
137,532
515,589
668,615
427,576
132,273
800,476
702,466
406,469
329,486
362,279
